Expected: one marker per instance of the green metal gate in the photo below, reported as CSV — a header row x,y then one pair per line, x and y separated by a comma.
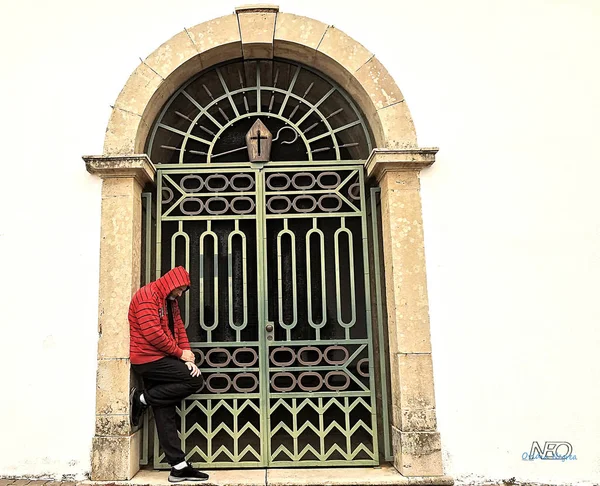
x,y
279,313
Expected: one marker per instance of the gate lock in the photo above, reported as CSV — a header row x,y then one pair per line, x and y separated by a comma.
x,y
270,327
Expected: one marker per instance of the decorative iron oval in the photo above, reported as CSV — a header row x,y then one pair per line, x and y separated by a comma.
x,y
191,199
279,375
201,386
171,196
279,198
359,367
245,375
192,177
199,357
247,363
337,387
242,176
218,390
309,363
218,350
351,191
329,196
281,350
304,174
305,210
328,186
213,177
242,211
216,211
333,348
275,176
310,388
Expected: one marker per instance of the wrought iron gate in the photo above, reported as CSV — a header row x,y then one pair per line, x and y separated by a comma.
x,y
279,313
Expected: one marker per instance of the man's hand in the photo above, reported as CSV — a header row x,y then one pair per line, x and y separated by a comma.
x,y
194,371
188,356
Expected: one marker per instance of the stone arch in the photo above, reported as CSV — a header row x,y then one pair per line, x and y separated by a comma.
x,y
259,32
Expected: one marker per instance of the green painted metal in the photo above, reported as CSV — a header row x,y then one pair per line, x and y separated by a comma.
x,y
282,323
323,289
328,417
215,256
250,115
250,165
262,319
228,98
146,279
338,294
369,318
388,452
174,263
240,327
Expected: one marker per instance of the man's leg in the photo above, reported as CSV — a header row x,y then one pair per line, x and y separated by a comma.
x,y
168,381
166,426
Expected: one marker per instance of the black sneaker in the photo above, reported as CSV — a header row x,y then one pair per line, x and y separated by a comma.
x,y
188,473
136,407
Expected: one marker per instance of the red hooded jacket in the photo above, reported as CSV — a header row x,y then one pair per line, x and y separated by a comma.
x,y
150,336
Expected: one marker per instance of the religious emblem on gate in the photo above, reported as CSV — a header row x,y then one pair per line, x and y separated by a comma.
x,y
258,141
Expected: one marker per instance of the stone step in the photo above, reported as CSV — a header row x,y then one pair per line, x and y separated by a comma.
x,y
350,476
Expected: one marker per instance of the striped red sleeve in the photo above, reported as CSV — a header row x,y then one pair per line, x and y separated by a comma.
x,y
146,313
180,332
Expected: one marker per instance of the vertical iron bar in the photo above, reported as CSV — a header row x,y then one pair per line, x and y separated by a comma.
x,y
203,325
236,449
182,431
186,238
321,427
258,100
147,198
159,177
363,206
262,288
380,330
288,327
295,426
343,229
238,328
313,324
348,437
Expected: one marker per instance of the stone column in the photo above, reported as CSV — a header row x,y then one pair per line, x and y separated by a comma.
x,y
416,442
116,446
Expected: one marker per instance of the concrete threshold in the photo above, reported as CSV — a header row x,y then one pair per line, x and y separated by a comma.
x,y
385,475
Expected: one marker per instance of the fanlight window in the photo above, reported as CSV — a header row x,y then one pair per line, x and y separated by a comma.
x,y
209,119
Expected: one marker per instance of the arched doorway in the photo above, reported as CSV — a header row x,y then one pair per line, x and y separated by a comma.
x,y
269,221
261,196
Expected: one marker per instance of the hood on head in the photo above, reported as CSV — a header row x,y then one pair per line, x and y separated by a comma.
x,y
177,277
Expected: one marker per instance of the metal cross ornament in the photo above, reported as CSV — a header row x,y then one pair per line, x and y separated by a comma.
x,y
258,141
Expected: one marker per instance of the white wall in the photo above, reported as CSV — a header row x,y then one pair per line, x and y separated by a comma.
x,y
507,89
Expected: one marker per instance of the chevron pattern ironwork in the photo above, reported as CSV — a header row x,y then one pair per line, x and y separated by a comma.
x,y
279,313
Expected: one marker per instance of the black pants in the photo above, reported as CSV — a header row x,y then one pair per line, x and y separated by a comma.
x,y
167,382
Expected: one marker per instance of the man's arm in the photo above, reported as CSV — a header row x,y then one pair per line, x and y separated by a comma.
x,y
149,322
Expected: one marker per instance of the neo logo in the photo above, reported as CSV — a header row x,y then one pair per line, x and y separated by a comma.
x,y
551,450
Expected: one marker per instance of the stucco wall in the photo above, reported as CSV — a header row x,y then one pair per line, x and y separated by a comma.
x,y
507,90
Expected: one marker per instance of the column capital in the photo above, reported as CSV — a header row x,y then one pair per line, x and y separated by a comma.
x,y
382,161
138,167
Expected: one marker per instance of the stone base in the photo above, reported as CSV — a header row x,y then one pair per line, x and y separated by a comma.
x,y
116,458
385,475
417,454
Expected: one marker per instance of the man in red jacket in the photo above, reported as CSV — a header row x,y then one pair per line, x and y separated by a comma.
x,y
160,353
